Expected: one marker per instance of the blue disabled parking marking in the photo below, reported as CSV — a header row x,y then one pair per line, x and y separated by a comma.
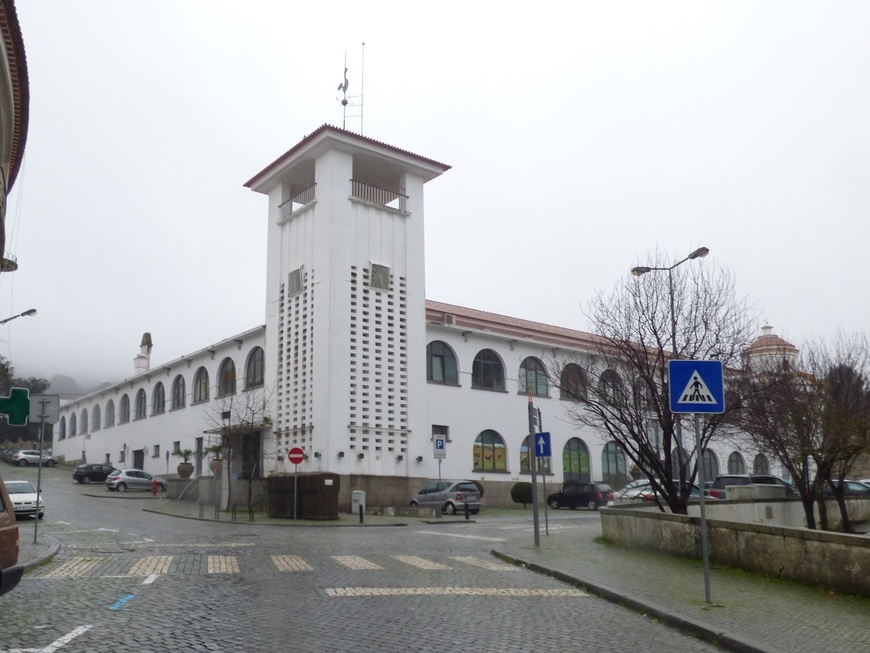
x,y
120,602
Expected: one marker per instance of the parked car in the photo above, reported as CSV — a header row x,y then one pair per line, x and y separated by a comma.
x,y
717,490
452,496
852,489
23,496
588,495
10,570
644,493
133,479
25,457
92,472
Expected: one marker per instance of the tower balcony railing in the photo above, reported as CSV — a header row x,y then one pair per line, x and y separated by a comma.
x,y
8,262
298,201
380,196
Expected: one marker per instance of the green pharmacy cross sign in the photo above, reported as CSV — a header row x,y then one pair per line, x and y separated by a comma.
x,y
16,406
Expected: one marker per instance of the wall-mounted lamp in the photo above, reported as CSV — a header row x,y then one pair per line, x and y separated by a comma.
x,y
399,458
317,454
341,454
360,455
419,459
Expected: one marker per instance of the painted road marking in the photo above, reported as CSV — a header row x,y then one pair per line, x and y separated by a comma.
x,y
421,563
461,536
223,565
150,579
356,562
291,563
484,564
55,645
353,592
74,568
151,565
117,605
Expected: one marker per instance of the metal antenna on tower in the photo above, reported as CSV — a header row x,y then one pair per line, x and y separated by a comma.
x,y
352,100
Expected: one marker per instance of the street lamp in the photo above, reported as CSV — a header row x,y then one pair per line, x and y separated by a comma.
x,y
701,252
29,312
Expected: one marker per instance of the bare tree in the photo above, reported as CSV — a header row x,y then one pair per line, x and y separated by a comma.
x,y
621,389
237,420
814,417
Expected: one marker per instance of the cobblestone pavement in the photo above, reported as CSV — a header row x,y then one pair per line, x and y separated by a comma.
x,y
126,579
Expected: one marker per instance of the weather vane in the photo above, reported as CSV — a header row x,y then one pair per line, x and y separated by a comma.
x,y
352,100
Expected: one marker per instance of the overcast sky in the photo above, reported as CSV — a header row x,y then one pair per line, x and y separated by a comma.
x,y
581,141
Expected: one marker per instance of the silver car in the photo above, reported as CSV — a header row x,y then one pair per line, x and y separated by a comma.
x,y
25,457
133,479
451,496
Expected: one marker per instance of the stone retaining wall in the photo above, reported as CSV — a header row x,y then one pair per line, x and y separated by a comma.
x,y
836,561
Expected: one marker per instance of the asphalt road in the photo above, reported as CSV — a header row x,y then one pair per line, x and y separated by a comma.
x,y
128,580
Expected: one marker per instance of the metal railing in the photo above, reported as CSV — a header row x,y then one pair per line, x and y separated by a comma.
x,y
296,202
381,196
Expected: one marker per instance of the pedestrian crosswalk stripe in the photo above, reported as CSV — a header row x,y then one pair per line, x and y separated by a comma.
x,y
353,592
74,568
421,563
462,536
291,563
223,565
356,562
151,565
484,564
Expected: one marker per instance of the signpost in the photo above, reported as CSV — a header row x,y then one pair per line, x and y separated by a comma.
x,y
439,445
45,408
698,387
295,456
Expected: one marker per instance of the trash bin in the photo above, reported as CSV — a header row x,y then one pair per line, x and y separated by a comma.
x,y
357,500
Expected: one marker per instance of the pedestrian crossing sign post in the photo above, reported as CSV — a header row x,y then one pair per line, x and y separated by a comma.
x,y
696,386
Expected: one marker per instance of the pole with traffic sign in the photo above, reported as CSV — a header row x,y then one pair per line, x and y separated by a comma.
x,y
295,456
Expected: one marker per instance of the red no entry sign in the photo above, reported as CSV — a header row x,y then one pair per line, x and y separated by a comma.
x,y
296,455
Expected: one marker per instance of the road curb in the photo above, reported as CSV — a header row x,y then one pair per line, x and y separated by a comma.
x,y
51,551
726,639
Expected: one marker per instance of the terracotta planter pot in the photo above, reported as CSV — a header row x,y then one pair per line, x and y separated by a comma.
x,y
185,470
216,465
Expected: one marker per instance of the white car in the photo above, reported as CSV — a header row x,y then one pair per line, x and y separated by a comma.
x,y
23,496
134,479
25,457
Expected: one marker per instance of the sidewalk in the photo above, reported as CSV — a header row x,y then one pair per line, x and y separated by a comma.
x,y
748,612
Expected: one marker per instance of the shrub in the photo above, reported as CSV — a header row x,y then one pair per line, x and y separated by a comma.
x,y
521,492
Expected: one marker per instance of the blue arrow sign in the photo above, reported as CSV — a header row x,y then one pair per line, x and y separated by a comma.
x,y
542,445
696,387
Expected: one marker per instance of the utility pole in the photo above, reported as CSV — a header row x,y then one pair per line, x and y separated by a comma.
x,y
533,414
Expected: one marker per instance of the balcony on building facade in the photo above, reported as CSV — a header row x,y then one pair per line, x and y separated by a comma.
x,y
297,202
8,263
380,196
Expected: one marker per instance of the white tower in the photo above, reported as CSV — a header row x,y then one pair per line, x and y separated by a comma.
x,y
345,300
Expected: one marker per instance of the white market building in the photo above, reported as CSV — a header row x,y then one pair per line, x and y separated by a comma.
x,y
353,364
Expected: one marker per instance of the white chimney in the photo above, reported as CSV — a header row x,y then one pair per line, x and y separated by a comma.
x,y
142,362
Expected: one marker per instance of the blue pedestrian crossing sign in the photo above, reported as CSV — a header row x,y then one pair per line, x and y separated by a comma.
x,y
542,445
696,386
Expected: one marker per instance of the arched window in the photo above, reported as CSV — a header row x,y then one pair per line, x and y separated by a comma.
x,y
200,385
72,425
543,464
178,396
575,461
441,364
573,383
736,464
158,400
487,371
760,465
489,452
254,368
62,435
227,378
110,414
98,423
610,388
533,378
141,404
124,417
643,396
85,421
711,465
613,468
